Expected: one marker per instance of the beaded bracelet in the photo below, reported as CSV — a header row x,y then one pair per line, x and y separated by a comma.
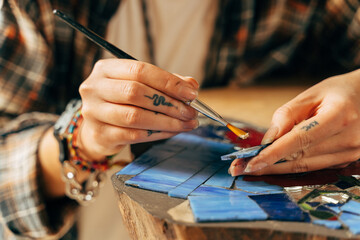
x,y
72,133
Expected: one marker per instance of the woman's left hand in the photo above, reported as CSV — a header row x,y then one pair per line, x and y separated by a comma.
x,y
320,128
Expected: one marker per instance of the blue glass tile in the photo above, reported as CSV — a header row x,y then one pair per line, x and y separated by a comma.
x,y
221,179
257,187
352,221
336,210
204,190
225,208
279,207
170,173
352,207
328,223
244,153
313,204
150,158
185,188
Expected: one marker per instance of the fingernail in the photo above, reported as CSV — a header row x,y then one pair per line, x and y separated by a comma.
x,y
256,167
188,112
188,93
270,135
192,124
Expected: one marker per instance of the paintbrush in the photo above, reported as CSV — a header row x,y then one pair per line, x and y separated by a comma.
x,y
196,103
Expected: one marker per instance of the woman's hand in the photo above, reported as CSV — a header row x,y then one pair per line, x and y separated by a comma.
x,y
126,102
320,128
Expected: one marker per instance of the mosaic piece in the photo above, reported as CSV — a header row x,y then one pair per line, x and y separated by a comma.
x,y
150,158
182,167
225,208
328,223
221,179
190,166
185,188
244,153
280,207
352,207
204,190
257,187
352,222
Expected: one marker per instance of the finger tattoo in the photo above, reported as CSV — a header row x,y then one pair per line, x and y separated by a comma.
x,y
310,125
159,100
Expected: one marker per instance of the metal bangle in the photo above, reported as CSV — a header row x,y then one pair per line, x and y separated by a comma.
x,y
82,193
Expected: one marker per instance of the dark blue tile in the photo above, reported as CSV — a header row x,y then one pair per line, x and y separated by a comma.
x,y
185,188
225,208
279,207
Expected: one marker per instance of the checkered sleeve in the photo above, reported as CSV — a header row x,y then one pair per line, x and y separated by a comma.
x,y
341,31
24,212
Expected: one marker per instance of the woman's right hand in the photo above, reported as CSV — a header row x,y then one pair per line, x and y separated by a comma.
x,y
127,101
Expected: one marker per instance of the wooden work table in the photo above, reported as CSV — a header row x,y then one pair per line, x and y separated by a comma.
x,y
150,215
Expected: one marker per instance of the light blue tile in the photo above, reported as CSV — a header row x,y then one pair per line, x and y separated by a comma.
x,y
244,153
352,221
225,208
185,188
351,206
328,223
150,158
257,187
172,172
204,190
221,179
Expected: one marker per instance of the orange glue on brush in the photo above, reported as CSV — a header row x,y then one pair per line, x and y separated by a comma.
x,y
207,111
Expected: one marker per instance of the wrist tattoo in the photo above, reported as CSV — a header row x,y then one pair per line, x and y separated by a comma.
x,y
310,125
159,100
151,132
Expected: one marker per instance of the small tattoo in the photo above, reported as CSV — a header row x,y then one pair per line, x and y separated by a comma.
x,y
151,132
310,125
159,100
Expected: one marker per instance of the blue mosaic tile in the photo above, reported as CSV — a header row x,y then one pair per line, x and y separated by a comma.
x,y
352,221
185,188
221,179
328,223
244,153
170,173
279,207
150,158
204,190
257,187
352,207
225,208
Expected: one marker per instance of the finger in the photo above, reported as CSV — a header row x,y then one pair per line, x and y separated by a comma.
x,y
138,94
309,164
107,139
189,79
290,114
149,75
138,118
299,139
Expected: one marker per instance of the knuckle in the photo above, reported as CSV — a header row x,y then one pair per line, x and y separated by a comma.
x,y
168,83
137,69
132,116
85,89
130,91
351,115
299,166
133,135
284,111
303,140
100,65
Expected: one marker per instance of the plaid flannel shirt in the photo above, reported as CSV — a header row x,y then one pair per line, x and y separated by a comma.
x,y
43,62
